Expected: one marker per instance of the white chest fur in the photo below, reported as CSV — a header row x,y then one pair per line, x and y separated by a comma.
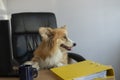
x,y
51,61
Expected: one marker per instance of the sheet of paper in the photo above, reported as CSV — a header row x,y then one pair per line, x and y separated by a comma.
x,y
93,76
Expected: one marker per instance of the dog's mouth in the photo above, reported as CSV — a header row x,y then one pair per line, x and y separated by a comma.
x,y
66,47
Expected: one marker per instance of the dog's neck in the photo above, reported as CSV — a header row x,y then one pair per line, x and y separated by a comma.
x,y
46,49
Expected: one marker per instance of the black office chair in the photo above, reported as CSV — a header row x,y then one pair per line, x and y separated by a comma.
x,y
25,36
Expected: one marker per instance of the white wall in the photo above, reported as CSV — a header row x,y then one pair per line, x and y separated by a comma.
x,y
93,24
3,9
15,6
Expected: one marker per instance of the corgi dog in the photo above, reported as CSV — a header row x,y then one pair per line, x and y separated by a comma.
x,y
52,51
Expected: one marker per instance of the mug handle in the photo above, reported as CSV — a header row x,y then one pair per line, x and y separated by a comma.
x,y
34,72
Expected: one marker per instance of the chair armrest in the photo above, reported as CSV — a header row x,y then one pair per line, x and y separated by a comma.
x,y
76,57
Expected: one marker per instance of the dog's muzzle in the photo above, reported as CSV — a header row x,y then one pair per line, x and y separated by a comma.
x,y
67,47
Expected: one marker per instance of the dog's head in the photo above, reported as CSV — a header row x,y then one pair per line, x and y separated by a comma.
x,y
57,37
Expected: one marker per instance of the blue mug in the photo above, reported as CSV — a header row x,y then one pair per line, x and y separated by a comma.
x,y
27,72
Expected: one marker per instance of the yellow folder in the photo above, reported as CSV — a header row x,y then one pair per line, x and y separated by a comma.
x,y
82,69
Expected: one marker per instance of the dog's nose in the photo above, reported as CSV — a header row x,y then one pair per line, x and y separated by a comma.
x,y
74,44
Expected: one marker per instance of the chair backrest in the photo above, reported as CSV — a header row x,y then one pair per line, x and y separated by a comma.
x,y
25,36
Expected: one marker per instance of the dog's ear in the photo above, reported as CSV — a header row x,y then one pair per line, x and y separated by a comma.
x,y
64,27
45,32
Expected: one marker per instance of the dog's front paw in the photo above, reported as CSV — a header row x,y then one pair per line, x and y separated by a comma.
x,y
36,65
33,64
59,64
28,63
